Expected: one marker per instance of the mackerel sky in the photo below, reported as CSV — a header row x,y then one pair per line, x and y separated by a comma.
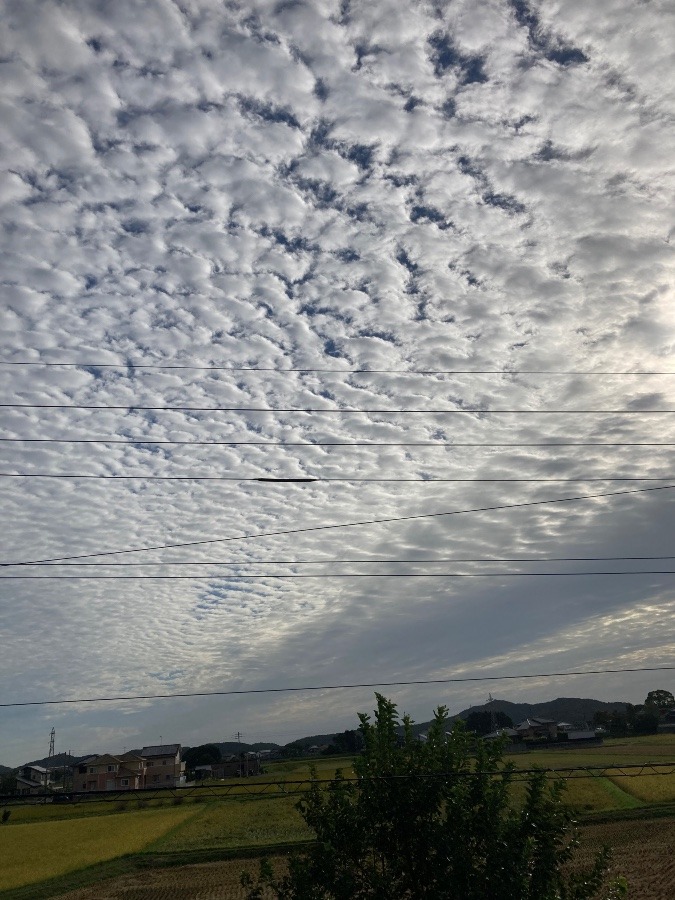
x,y
483,186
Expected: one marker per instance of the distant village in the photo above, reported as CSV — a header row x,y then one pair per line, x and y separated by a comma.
x,y
165,766
170,766
153,767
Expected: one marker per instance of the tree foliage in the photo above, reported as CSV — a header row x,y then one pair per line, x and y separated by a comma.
x,y
646,722
348,742
431,820
660,699
204,755
483,722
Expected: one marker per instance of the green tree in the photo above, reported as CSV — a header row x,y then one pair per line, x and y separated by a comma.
x,y
204,755
348,742
434,820
483,722
8,782
660,699
647,722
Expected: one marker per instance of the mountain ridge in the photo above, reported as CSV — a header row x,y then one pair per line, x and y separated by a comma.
x,y
576,710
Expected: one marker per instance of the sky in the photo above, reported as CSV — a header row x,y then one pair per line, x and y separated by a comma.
x,y
439,226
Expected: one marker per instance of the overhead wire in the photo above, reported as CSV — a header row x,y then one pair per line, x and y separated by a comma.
x,y
336,410
283,788
322,562
347,479
331,527
336,687
214,368
132,441
329,575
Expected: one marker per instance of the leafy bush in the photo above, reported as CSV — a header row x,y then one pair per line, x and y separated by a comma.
x,y
434,820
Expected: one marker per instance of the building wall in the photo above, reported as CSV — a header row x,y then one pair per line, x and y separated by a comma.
x,y
163,771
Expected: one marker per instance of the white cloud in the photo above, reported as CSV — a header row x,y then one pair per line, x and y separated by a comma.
x,y
331,186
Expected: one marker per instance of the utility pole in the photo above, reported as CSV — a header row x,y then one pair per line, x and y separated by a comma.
x,y
493,715
50,758
239,736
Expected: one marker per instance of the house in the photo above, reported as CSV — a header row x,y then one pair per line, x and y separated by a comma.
x,y
537,729
164,767
510,733
109,773
584,734
33,780
233,766
666,721
161,767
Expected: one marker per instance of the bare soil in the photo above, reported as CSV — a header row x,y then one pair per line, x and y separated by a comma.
x,y
203,881
643,853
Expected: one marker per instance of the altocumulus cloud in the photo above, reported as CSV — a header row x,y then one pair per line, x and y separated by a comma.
x,y
343,186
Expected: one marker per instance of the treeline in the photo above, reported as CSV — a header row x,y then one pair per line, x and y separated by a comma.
x,y
638,718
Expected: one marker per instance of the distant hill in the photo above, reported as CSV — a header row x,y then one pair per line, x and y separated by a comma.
x,y
315,739
563,709
227,748
58,760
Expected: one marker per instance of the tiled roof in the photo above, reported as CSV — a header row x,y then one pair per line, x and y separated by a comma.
x,y
533,723
161,750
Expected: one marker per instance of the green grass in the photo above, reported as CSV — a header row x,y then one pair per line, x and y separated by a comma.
x,y
622,799
37,851
650,748
51,812
53,842
649,788
254,822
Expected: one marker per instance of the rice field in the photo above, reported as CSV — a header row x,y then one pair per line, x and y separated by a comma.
x,y
649,788
238,823
642,853
41,842
34,852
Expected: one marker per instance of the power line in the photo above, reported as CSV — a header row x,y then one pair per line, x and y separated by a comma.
x,y
384,521
213,368
282,788
322,562
336,687
440,444
343,479
131,407
329,575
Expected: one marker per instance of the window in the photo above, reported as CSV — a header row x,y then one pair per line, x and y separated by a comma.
x,y
168,778
112,768
164,762
155,777
92,770
125,782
